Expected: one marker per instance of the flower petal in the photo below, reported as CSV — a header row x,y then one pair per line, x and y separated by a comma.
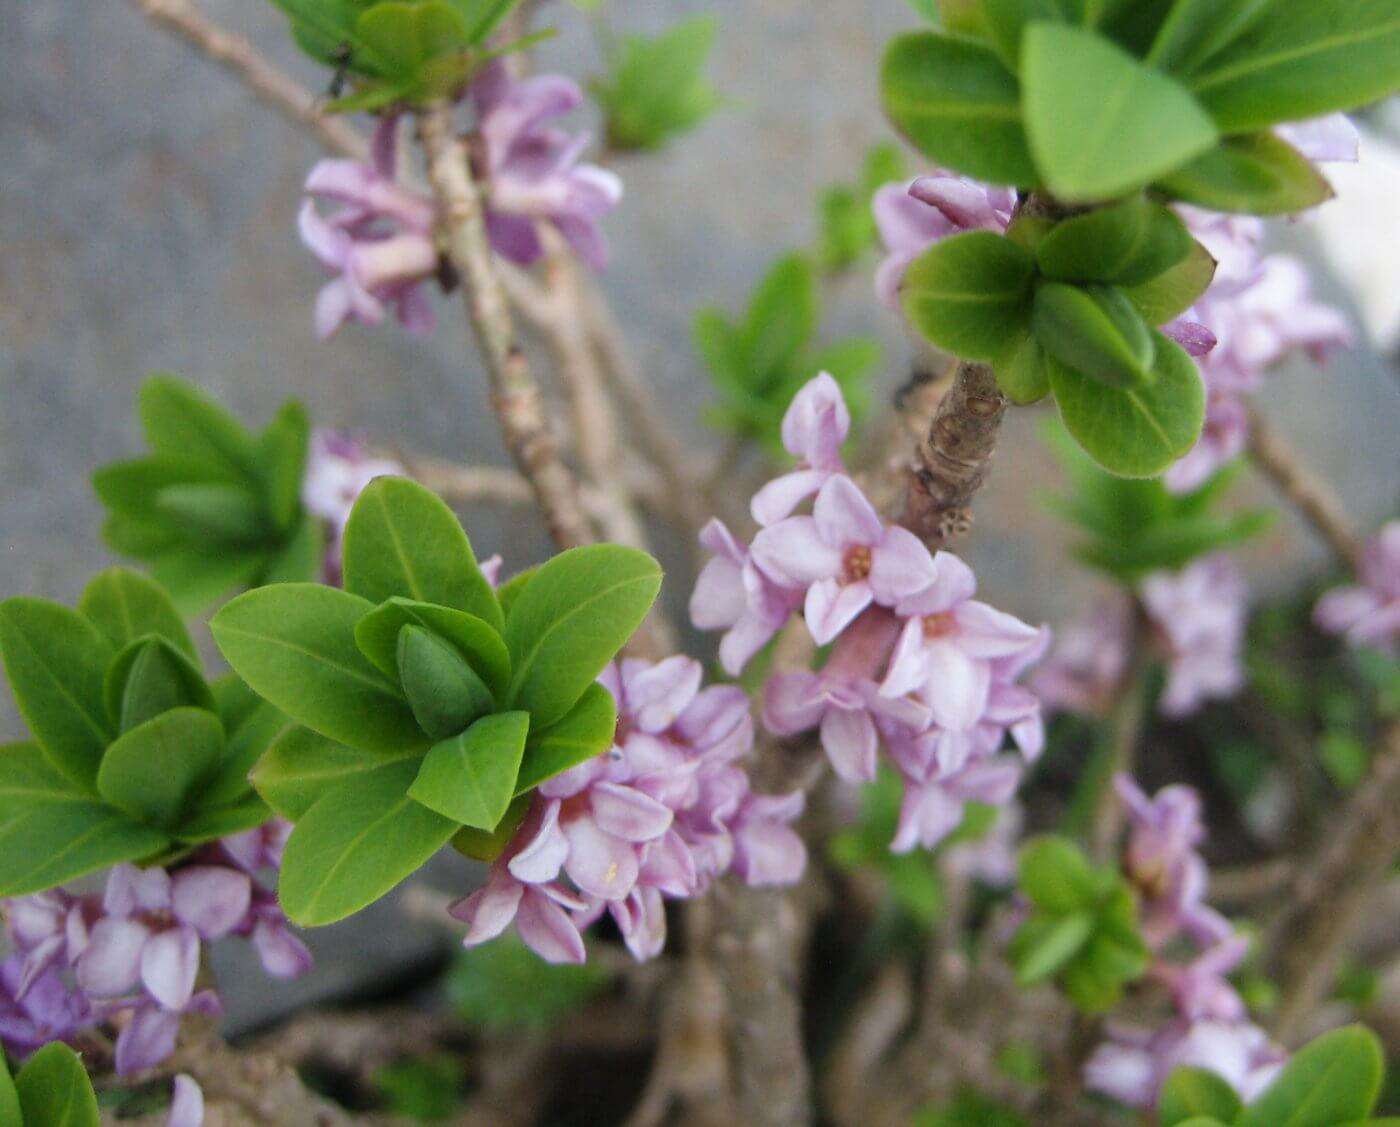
x,y
547,930
212,899
169,963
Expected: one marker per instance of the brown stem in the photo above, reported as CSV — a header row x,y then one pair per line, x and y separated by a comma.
x,y
1125,725
514,393
1329,898
271,85
954,459
1312,496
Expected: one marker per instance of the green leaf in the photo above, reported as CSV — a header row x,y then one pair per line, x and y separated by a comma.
x,y
356,842
1134,432
511,589
406,37
125,605
1006,20
197,577
1257,174
9,1098
1021,370
301,555
505,986
55,1091
577,612
1100,122
585,731
1169,295
1303,60
656,88
51,832
1196,30
1056,876
782,315
1044,945
152,771
211,823
185,425
1096,331
217,511
1196,1091
482,17
56,660
487,845
470,777
295,646
148,677
402,540
300,766
1126,244
971,293
1333,1079
954,101
377,636
281,451
444,692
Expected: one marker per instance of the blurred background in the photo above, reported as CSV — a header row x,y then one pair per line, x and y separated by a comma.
x,y
148,222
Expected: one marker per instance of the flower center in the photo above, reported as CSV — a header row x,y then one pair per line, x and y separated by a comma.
x,y
856,565
939,625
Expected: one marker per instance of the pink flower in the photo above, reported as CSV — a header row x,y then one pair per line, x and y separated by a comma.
x,y
1200,989
844,557
733,595
152,929
815,425
945,649
149,1035
532,170
1331,137
935,800
1085,670
912,217
46,1009
338,467
1199,619
767,851
1368,612
186,1104
379,244
1223,439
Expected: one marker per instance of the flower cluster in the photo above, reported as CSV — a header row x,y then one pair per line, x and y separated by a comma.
x,y
916,662
1368,611
1196,621
661,815
338,467
378,243
132,954
532,171
1257,309
912,217
1210,1027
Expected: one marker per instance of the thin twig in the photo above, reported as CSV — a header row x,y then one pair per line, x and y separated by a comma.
x,y
1312,496
268,83
1125,724
514,393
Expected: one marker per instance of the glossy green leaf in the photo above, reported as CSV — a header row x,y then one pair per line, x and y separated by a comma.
x,y
1303,60
9,1098
782,316
1196,30
52,832
300,766
125,605
406,37
377,636
184,424
223,512
1169,295
1006,20
209,823
197,577
482,17
1096,331
1056,876
1259,174
445,693
1100,122
512,588
487,845
655,88
301,555
281,453
356,842
954,101
1021,370
470,777
970,294
295,645
1126,244
54,1090
403,541
586,731
152,771
571,620
1045,944
1196,1092
148,677
1134,432
1333,1079
56,660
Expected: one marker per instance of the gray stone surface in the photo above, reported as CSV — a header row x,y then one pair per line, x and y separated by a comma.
x,y
146,220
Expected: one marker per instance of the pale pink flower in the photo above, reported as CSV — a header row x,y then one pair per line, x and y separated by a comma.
x,y
1084,672
814,427
338,467
733,595
1199,618
1368,612
186,1104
